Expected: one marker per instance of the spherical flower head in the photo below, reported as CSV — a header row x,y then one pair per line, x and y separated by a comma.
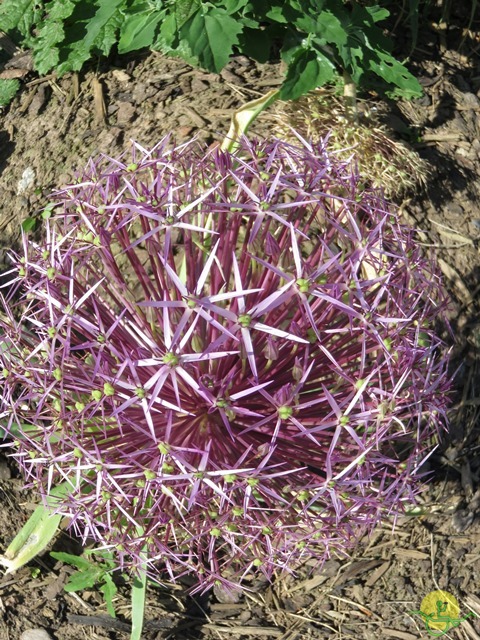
x,y
231,359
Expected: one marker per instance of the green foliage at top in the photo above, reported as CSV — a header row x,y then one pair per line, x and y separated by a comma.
x,y
316,38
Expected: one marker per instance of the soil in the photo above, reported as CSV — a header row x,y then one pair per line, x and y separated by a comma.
x,y
49,132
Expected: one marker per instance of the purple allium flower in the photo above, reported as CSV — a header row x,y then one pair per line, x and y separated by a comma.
x,y
231,359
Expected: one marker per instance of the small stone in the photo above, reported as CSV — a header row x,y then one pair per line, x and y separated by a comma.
x,y
125,113
27,181
35,634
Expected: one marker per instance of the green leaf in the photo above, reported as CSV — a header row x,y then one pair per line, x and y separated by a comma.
x,y
29,224
308,69
232,6
394,72
95,27
59,10
139,593
253,46
16,14
69,558
108,35
211,37
8,90
284,14
106,11
330,28
184,9
138,31
109,591
45,52
378,13
81,580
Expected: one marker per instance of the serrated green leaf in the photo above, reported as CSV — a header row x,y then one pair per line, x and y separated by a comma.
x,y
211,37
138,31
15,14
45,50
8,90
184,9
59,10
309,69
279,14
97,30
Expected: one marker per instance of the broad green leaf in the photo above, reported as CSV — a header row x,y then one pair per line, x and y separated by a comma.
x,y
8,90
232,6
211,37
138,31
394,72
108,35
309,69
289,13
167,38
330,28
106,11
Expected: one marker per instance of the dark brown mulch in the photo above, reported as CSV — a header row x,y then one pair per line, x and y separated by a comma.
x,y
49,132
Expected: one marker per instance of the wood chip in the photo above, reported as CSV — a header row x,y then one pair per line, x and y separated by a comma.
x,y
402,635
195,117
311,583
469,631
355,569
10,74
377,574
121,75
257,632
456,280
411,553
